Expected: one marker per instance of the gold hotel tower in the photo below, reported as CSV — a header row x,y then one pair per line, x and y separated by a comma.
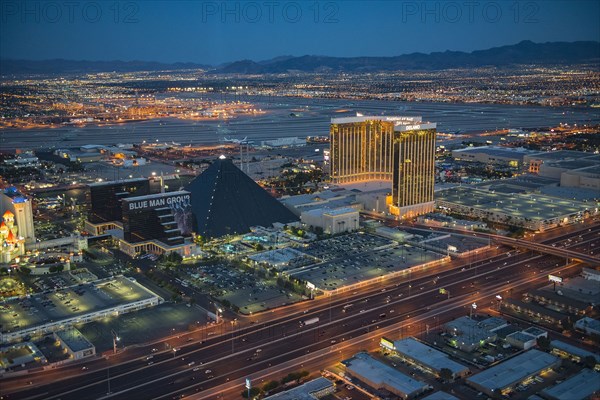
x,y
398,149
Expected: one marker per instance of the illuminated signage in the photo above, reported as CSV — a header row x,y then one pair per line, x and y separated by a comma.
x,y
388,344
554,278
248,384
182,199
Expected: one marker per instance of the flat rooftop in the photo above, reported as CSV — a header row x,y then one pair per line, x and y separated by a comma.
x,y
561,155
580,386
532,206
571,193
427,355
469,330
400,123
74,339
364,118
574,350
440,396
507,152
319,197
71,302
303,392
362,365
109,183
514,370
522,336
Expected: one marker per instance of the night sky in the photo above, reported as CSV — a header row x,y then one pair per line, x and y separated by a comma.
x,y
213,32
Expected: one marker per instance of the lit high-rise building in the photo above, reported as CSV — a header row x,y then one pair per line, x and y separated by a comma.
x,y
19,206
387,148
414,170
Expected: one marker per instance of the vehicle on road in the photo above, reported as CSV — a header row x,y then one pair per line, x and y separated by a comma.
x,y
309,321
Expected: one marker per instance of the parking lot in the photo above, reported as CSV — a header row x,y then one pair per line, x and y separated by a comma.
x,y
144,325
245,289
346,246
354,267
68,302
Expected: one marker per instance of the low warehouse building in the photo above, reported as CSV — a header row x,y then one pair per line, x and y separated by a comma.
x,y
426,357
503,377
380,376
582,386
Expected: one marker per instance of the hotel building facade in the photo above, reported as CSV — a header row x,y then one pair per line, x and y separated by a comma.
x,y
387,148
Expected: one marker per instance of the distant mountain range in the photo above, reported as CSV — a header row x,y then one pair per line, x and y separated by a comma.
x,y
525,52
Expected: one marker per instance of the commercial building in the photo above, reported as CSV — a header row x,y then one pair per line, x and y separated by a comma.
x,y
505,156
440,396
75,344
380,376
572,165
226,201
521,340
588,325
21,354
156,223
585,385
332,221
581,289
105,198
530,211
503,377
560,302
590,274
330,198
469,334
426,357
577,354
314,389
19,205
284,142
533,309
11,244
100,299
397,149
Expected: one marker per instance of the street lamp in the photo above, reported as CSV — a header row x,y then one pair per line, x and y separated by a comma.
x,y
219,311
233,335
499,298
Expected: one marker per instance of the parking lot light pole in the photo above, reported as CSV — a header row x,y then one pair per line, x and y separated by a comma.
x,y
115,340
473,308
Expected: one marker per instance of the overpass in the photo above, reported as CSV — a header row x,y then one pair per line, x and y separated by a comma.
x,y
546,249
520,243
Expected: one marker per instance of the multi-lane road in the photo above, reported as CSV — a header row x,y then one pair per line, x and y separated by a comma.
x,y
275,341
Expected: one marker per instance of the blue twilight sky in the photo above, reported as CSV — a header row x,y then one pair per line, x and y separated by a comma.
x,y
214,32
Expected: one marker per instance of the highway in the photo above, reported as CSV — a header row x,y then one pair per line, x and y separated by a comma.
x,y
233,354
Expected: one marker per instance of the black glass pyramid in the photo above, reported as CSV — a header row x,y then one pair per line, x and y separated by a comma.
x,y
227,201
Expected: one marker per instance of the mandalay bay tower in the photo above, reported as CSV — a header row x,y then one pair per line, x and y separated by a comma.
x,y
387,148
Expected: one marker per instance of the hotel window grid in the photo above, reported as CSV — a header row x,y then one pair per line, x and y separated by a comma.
x,y
414,167
361,151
